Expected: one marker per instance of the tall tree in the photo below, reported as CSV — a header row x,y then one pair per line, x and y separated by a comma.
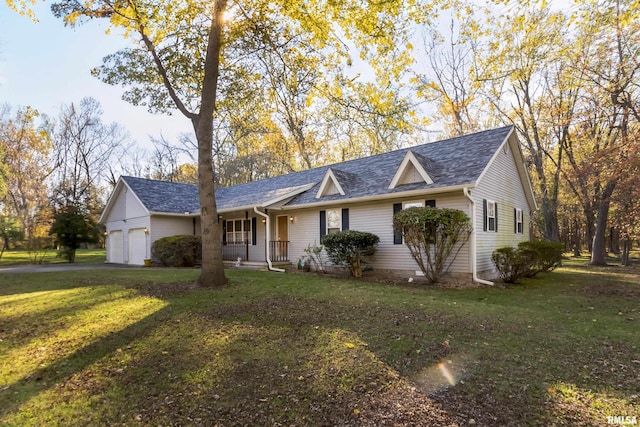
x,y
26,146
449,82
177,64
83,144
518,80
610,34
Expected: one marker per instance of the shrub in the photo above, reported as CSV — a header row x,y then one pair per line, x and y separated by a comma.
x,y
434,237
178,251
315,255
513,263
527,260
548,255
350,247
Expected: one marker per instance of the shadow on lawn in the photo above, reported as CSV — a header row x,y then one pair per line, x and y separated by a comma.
x,y
211,356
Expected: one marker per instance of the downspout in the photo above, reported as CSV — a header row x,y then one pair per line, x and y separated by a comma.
x,y
474,273
268,228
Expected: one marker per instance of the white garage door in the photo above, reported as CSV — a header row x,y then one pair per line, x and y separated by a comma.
x,y
116,247
137,246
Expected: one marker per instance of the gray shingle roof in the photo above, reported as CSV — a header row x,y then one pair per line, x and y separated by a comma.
x,y
163,196
452,162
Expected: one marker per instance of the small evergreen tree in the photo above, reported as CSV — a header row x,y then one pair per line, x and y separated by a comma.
x,y
72,226
434,237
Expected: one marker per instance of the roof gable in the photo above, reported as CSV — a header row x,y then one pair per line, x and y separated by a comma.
x,y
410,171
330,185
337,182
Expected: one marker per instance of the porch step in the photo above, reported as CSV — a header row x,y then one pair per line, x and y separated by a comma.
x,y
256,265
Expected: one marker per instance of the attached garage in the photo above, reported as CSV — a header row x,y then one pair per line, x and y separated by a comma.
x,y
137,246
116,247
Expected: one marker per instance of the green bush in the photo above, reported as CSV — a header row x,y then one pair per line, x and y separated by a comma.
x,y
178,251
548,255
350,247
527,260
434,237
513,263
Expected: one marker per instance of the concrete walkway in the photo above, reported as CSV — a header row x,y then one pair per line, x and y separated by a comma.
x,y
48,268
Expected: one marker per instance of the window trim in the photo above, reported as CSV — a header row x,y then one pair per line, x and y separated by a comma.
x,y
246,231
494,217
339,220
413,204
519,221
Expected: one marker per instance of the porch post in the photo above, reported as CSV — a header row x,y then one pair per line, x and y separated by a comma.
x,y
268,236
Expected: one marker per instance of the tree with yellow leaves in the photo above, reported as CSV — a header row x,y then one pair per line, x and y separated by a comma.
x,y
176,63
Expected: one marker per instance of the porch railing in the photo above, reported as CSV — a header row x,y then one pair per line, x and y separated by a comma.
x,y
232,250
279,250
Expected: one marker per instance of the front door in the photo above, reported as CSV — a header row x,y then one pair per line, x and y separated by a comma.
x,y
282,233
283,228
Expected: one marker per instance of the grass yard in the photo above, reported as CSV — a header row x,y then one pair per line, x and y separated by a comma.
x,y
50,256
144,347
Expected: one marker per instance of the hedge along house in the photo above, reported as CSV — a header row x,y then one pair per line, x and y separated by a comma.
x,y
274,220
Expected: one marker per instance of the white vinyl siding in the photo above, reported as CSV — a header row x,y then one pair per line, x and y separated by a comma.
x,y
501,184
376,218
134,209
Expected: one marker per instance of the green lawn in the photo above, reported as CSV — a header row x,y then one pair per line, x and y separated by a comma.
x,y
144,347
50,256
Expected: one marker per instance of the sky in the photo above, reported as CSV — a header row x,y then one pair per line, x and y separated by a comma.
x,y
46,65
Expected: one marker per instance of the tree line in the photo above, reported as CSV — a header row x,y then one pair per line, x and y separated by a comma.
x,y
299,87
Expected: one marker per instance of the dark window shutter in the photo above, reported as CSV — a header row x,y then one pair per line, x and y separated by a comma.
x,y
254,231
345,219
430,203
224,231
495,206
515,220
323,224
397,234
484,214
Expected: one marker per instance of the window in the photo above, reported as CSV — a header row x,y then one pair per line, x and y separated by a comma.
x,y
397,207
490,214
407,205
239,231
518,227
334,221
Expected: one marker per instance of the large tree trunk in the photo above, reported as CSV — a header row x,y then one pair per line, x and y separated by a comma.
x,y
212,273
626,249
599,249
576,238
550,217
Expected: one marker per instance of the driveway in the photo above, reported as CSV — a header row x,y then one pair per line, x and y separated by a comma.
x,y
48,268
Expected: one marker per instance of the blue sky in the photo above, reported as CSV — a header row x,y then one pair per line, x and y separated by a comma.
x,y
45,65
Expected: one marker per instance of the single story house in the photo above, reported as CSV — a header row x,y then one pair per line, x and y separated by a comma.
x,y
482,174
